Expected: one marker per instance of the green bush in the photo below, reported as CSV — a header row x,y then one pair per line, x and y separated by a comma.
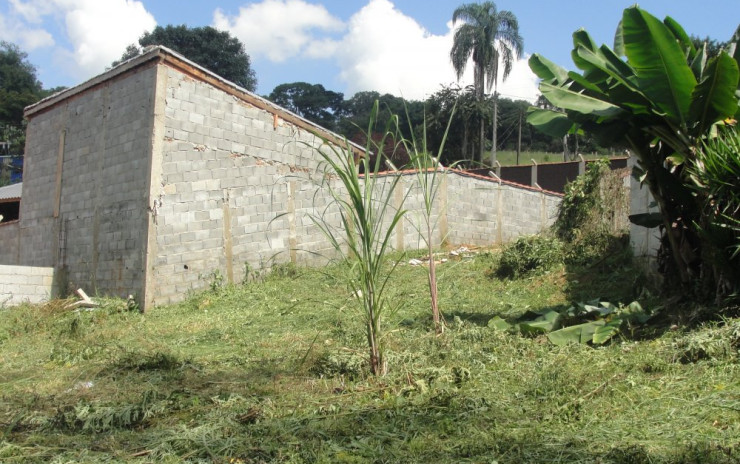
x,y
529,254
591,220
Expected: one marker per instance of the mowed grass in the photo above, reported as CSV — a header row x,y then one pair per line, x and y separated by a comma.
x,y
274,371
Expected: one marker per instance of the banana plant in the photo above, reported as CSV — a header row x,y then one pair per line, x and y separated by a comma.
x,y
595,322
655,93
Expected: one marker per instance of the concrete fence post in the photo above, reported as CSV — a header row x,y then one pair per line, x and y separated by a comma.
x,y
398,200
499,208
443,209
292,234
228,248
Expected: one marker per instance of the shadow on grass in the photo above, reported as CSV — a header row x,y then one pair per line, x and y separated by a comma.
x,y
445,428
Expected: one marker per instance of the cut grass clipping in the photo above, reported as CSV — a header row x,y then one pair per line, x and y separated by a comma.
x,y
276,371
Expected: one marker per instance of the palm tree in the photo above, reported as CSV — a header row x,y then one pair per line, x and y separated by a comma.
x,y
490,37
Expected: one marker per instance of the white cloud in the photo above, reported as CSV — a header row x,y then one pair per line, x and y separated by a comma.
x,y
34,10
281,29
28,38
521,84
98,31
390,52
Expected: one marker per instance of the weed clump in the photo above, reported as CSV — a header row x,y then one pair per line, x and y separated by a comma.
x,y
719,344
535,253
94,418
330,365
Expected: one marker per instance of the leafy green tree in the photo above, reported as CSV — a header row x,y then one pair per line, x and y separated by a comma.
x,y
19,86
460,108
312,101
663,102
490,37
215,50
713,46
357,113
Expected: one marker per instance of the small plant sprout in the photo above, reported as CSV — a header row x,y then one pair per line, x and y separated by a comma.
x,y
368,220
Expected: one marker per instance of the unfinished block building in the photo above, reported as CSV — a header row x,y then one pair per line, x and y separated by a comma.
x,y
158,172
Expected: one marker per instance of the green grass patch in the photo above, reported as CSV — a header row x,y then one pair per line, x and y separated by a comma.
x,y
276,371
508,157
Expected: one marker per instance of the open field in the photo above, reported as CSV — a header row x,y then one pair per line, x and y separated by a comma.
x,y
273,371
508,158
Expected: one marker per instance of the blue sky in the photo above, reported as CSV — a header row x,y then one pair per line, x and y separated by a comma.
x,y
394,46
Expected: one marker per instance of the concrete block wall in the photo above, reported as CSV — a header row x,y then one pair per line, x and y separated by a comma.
x,y
240,188
230,174
314,207
25,284
527,212
413,226
472,210
37,224
94,225
10,242
482,211
166,179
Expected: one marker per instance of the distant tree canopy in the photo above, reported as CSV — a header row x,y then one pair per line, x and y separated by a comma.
x,y
19,86
215,50
350,118
713,46
355,113
312,101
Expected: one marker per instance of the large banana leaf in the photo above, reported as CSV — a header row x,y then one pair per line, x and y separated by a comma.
x,y
606,61
619,40
581,333
581,38
699,63
550,122
733,48
682,37
547,322
714,98
581,83
579,102
602,334
547,70
660,64
590,72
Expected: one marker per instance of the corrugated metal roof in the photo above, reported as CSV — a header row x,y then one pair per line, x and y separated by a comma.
x,y
11,192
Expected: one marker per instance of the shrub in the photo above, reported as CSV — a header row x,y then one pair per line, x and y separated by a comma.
x,y
592,218
529,254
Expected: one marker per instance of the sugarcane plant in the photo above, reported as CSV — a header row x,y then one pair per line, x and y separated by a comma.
x,y
429,176
368,219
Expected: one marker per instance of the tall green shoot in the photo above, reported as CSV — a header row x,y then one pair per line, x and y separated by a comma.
x,y
428,171
365,202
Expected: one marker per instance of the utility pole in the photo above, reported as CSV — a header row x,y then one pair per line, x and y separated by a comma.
x,y
519,140
495,127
